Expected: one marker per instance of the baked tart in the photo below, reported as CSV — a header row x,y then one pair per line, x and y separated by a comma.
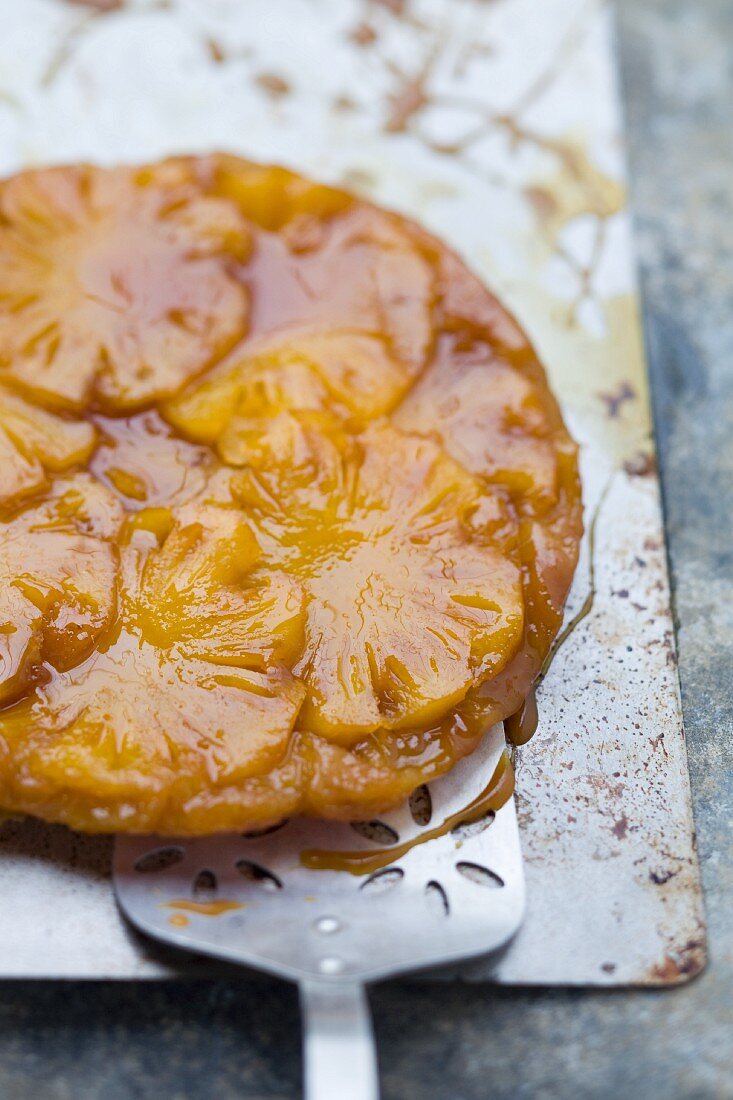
x,y
288,513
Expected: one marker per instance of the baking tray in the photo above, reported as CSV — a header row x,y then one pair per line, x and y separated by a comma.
x,y
497,124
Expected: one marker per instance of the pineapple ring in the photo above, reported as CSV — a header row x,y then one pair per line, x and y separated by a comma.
x,y
34,443
198,655
412,597
115,286
328,553
58,581
351,372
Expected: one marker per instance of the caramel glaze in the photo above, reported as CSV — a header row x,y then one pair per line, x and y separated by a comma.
x,y
204,908
288,513
520,726
499,790
590,599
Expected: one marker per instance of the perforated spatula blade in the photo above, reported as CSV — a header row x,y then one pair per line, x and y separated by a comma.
x,y
248,899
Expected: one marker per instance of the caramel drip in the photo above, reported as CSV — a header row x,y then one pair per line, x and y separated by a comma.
x,y
590,599
205,908
521,725
492,797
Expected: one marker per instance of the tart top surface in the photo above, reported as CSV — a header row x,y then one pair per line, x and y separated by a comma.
x,y
288,512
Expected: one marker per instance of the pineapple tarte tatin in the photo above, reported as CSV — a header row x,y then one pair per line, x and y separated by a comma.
x,y
288,513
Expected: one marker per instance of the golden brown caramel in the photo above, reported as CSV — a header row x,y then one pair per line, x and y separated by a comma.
x,y
58,584
203,908
33,444
366,861
410,597
522,725
115,285
288,513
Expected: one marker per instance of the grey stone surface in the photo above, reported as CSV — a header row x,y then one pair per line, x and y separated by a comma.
x,y
227,1040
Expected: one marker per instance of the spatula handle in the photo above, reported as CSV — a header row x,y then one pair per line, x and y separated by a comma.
x,y
338,1042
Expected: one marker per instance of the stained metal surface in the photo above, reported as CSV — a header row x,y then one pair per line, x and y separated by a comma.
x,y
603,789
455,897
498,126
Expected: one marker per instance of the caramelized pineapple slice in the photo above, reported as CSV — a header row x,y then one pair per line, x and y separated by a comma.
x,y
367,273
274,198
58,585
412,597
193,691
493,420
351,374
350,327
131,738
34,442
298,461
115,284
201,592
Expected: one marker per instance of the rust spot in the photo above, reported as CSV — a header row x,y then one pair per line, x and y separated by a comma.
x,y
621,827
659,878
215,51
274,86
641,465
616,400
344,103
668,971
681,965
600,782
363,34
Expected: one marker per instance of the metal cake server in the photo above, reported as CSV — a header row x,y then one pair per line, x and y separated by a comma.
x,y
248,899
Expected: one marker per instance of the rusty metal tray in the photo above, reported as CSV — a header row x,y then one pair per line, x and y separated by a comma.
x,y
498,126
